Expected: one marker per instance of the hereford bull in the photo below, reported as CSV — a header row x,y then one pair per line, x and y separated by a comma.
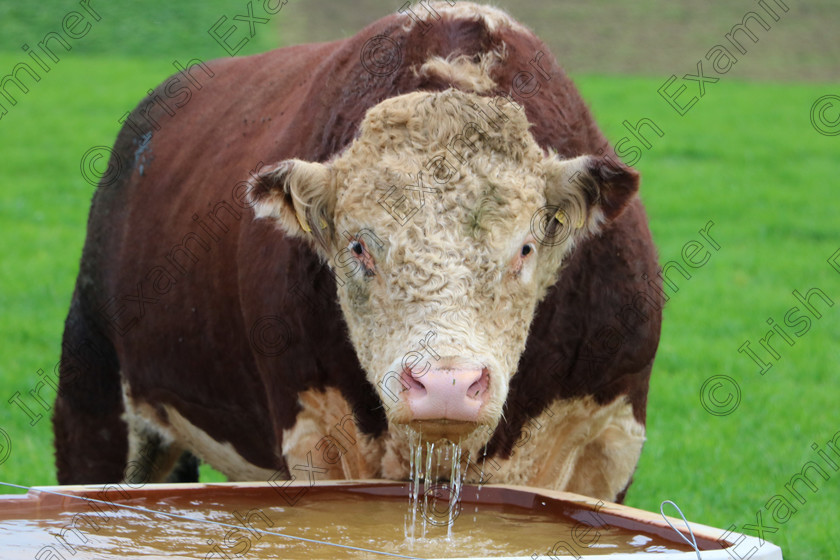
x,y
300,254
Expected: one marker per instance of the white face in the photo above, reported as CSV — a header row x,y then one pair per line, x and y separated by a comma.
x,y
439,289
428,222
441,302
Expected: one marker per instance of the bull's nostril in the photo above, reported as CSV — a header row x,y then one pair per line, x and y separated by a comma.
x,y
479,387
411,383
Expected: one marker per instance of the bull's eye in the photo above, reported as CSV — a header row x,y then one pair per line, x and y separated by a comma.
x,y
527,249
359,250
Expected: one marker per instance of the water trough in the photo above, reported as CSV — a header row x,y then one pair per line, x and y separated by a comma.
x,y
343,519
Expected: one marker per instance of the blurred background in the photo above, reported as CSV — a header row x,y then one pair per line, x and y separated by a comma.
x,y
757,155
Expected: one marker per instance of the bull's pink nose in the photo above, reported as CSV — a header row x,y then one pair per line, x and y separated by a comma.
x,y
447,394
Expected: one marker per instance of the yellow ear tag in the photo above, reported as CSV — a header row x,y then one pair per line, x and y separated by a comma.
x,y
323,224
560,216
303,223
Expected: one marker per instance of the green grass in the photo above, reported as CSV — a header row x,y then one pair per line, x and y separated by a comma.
x,y
745,157
151,29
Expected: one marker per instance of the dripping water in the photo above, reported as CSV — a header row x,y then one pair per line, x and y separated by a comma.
x,y
480,480
414,457
427,480
436,481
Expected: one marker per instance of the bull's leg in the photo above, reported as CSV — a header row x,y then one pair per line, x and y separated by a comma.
x,y
186,469
154,457
91,442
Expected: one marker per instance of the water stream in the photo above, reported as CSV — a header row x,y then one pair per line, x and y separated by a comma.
x,y
437,472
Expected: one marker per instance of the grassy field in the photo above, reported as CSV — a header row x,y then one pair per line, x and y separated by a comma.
x,y
745,157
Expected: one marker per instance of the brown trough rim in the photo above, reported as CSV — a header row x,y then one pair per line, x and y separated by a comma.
x,y
708,538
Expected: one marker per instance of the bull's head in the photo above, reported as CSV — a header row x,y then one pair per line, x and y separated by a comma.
x,y
445,223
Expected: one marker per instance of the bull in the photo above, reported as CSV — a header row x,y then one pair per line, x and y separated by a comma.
x,y
308,255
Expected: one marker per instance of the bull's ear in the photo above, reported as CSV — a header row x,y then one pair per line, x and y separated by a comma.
x,y
588,191
300,196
